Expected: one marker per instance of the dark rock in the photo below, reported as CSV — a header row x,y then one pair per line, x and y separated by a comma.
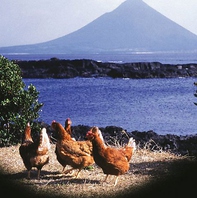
x,y
56,68
79,132
183,145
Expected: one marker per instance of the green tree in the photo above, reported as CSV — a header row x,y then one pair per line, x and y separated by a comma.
x,y
18,104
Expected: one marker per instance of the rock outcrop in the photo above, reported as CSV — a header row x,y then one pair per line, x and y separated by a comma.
x,y
113,135
56,68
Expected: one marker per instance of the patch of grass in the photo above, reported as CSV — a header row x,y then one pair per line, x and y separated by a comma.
x,y
146,166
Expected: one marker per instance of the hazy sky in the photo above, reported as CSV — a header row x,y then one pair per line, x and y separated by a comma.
x,y
27,22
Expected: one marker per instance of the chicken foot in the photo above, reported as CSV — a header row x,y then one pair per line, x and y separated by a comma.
x,y
71,169
63,171
78,173
116,180
68,171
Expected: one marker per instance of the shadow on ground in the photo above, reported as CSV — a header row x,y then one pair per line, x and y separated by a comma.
x,y
180,180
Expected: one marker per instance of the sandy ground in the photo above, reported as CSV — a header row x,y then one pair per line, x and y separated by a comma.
x,y
146,167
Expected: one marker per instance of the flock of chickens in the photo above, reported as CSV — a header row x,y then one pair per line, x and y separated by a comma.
x,y
77,154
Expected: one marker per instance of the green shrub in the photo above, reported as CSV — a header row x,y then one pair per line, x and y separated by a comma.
x,y
18,104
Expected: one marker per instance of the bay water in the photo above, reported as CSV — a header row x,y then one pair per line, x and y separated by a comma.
x,y
165,106
162,57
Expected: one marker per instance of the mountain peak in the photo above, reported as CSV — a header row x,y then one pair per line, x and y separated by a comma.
x,y
133,26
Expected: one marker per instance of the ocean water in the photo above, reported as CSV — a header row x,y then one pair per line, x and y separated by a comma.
x,y
163,105
168,57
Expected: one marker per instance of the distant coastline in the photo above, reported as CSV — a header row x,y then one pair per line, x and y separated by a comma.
x,y
61,68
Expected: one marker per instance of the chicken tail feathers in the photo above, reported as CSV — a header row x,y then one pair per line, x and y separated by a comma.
x,y
27,134
44,140
132,143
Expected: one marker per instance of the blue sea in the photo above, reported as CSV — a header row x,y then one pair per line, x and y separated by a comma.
x,y
165,106
168,57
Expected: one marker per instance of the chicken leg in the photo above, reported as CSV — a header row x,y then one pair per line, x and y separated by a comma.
x,y
78,173
116,180
28,174
63,168
68,171
71,169
38,176
105,178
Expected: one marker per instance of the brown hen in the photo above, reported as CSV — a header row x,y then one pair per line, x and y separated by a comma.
x,y
113,161
77,154
34,154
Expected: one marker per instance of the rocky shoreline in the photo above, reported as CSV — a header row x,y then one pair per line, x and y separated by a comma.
x,y
113,135
57,68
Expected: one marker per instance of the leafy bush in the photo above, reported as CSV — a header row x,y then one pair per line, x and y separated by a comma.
x,y
18,104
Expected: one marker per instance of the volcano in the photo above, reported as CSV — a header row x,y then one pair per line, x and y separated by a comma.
x,y
132,27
